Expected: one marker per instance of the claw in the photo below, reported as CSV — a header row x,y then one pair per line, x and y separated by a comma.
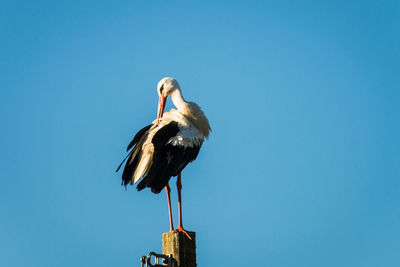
x,y
180,229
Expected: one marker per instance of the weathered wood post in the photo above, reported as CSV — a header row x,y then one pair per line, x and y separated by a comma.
x,y
183,249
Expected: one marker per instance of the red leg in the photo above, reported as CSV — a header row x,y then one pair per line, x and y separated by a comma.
x,y
179,187
168,190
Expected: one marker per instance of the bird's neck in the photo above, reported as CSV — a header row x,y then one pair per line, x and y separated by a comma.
x,y
178,100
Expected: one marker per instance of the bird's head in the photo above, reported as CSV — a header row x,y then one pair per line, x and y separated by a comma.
x,y
165,88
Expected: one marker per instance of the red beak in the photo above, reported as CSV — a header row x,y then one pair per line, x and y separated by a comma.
x,y
161,107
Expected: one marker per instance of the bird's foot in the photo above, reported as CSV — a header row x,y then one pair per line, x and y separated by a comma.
x,y
180,229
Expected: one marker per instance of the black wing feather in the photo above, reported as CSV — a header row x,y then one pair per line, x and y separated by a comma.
x,y
138,135
131,164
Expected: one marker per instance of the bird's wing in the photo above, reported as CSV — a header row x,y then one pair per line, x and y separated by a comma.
x,y
174,147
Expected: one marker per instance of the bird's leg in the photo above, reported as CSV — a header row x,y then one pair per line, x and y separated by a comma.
x,y
180,225
168,190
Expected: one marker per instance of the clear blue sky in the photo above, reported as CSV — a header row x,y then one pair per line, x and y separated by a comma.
x,y
303,164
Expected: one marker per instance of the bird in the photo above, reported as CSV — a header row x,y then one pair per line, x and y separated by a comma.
x,y
162,149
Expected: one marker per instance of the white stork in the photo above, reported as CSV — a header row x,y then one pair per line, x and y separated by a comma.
x,y
164,148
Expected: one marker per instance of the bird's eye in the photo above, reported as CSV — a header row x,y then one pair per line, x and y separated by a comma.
x,y
162,88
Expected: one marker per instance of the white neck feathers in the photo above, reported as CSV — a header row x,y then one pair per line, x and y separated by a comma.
x,y
178,100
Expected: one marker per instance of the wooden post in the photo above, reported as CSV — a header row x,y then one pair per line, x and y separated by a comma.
x,y
183,249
